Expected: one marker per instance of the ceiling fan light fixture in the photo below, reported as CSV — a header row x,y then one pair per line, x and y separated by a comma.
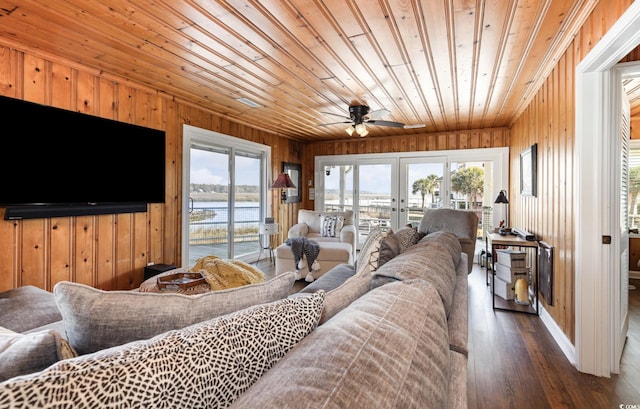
x,y
349,130
361,130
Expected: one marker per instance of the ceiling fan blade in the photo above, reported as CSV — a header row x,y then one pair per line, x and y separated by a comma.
x,y
386,123
338,115
378,113
335,123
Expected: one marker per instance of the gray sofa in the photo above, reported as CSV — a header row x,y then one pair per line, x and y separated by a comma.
x,y
370,335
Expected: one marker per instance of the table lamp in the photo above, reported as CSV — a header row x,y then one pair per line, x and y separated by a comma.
x,y
283,182
502,199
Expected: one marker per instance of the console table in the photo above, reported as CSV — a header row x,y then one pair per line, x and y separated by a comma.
x,y
495,241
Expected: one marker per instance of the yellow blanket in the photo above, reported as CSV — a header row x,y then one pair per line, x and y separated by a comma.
x,y
224,273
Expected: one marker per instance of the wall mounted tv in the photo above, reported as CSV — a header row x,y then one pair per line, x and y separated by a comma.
x,y
63,163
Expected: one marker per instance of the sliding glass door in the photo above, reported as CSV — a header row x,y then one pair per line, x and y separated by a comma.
x,y
225,193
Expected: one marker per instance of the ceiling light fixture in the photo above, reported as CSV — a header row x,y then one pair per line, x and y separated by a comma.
x,y
349,130
248,102
361,130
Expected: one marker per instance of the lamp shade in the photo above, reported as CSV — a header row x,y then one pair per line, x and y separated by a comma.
x,y
283,182
502,197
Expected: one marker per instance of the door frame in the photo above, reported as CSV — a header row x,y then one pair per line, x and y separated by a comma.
x,y
499,156
597,110
191,134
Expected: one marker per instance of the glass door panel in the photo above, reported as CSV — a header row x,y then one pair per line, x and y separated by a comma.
x,y
422,182
225,196
246,205
376,198
471,189
338,188
208,203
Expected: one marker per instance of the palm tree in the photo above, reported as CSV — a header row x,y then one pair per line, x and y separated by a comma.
x,y
426,185
468,181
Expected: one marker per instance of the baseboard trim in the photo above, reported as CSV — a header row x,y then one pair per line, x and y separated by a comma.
x,y
561,339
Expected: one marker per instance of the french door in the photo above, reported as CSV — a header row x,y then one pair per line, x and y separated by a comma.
x,y
392,190
224,190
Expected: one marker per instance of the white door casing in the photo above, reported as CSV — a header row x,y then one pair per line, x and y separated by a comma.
x,y
595,159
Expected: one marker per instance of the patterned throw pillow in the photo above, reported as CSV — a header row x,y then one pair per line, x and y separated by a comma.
x,y
208,364
370,252
407,237
330,226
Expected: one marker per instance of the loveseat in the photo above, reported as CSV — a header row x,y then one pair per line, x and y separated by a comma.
x,y
369,335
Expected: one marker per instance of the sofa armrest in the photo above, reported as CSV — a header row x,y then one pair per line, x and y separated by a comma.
x,y
348,234
298,230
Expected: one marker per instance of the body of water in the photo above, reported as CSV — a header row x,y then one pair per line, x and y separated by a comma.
x,y
247,213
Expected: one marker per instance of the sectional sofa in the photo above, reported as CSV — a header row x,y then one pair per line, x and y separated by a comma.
x,y
389,332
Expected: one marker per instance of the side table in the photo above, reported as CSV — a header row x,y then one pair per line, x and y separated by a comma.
x,y
265,233
496,241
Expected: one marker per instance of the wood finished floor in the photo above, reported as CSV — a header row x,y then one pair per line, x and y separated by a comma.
x,y
515,363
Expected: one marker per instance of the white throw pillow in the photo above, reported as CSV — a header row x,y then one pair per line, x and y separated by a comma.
x,y
330,225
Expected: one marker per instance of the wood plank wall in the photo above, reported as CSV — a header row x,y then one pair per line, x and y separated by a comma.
x,y
107,251
549,121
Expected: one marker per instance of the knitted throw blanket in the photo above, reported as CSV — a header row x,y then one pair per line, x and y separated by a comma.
x,y
221,273
301,247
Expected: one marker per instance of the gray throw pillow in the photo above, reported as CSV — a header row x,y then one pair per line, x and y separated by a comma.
x,y
96,319
389,248
22,354
26,308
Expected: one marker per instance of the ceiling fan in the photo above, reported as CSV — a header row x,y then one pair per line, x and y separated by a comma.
x,y
359,115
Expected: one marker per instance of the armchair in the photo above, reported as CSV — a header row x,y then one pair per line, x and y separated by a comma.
x,y
462,223
310,225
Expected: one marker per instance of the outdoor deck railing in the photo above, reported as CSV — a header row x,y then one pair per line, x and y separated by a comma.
x,y
208,225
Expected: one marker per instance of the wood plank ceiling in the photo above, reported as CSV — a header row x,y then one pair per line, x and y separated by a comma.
x,y
448,64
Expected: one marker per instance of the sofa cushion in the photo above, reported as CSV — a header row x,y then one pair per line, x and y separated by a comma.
x,y
27,307
450,240
22,354
388,349
205,365
343,286
96,319
332,279
428,260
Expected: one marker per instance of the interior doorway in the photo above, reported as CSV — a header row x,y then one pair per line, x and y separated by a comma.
x,y
597,266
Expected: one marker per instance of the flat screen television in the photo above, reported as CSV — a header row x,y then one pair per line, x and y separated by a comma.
x,y
58,162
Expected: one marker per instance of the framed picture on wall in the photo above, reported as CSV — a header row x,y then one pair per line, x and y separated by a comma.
x,y
294,195
529,170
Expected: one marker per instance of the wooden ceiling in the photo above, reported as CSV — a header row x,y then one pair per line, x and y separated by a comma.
x,y
448,64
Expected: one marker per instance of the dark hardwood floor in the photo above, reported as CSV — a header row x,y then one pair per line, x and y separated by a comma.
x,y
515,363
